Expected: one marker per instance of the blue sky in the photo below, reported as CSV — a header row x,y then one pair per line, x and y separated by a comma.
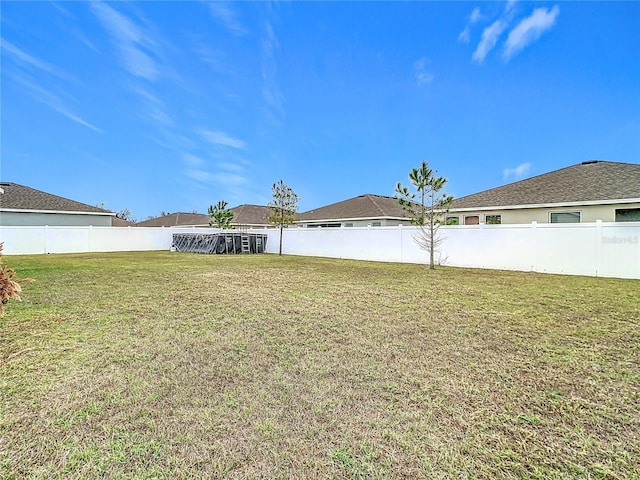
x,y
172,106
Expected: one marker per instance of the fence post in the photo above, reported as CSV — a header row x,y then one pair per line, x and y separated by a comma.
x,y
46,238
598,246
534,246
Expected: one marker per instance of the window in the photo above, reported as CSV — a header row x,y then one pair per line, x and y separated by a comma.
x,y
472,220
493,219
348,224
452,220
565,217
376,224
627,214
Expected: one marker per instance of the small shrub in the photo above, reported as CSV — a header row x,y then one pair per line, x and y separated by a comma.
x,y
9,284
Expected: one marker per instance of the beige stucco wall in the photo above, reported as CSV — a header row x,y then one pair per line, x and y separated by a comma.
x,y
384,222
589,213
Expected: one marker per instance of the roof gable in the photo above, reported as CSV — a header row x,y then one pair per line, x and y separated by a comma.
x,y
590,181
176,220
250,215
19,197
364,206
242,215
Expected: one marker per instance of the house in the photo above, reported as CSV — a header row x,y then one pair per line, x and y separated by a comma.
x,y
251,216
585,192
244,216
179,219
25,206
365,210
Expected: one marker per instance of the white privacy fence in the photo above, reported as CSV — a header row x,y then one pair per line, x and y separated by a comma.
x,y
595,249
35,240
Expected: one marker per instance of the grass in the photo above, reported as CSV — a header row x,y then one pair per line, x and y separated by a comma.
x,y
161,365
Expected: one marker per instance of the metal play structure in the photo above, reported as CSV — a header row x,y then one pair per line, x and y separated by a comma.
x,y
223,242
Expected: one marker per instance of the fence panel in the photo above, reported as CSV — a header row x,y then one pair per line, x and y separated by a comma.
x,y
597,249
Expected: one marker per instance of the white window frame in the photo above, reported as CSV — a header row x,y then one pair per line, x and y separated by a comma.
x,y
579,212
499,215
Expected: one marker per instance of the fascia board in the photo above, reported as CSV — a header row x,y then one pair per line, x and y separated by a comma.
x,y
19,210
547,205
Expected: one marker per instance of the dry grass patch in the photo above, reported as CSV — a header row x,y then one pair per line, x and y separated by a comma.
x,y
159,365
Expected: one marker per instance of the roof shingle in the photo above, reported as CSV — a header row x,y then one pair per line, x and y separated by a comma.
x,y
590,181
364,206
19,197
242,215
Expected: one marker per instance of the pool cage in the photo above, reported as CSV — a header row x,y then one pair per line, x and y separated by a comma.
x,y
220,243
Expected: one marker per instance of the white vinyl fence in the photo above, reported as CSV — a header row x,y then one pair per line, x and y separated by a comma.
x,y
594,249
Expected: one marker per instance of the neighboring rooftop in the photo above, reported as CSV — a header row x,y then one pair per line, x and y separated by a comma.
x,y
590,181
178,219
364,206
19,197
250,215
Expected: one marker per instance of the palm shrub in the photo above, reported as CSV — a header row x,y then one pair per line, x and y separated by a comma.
x,y
9,284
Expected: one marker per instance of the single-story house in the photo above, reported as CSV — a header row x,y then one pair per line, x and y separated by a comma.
x,y
244,216
25,206
365,210
586,192
178,219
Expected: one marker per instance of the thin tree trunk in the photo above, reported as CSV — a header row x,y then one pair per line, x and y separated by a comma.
x,y
431,245
280,251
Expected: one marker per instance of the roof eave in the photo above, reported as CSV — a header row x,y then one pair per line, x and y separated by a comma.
x,y
351,219
66,212
548,205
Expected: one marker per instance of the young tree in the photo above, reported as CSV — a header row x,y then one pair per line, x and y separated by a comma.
x,y
283,207
426,206
125,215
220,215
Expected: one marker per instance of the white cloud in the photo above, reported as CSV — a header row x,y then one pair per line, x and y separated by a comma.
x,y
225,15
198,174
230,179
223,179
271,93
192,160
475,17
517,172
489,39
134,45
465,35
420,70
232,167
529,30
220,138
155,110
52,100
23,58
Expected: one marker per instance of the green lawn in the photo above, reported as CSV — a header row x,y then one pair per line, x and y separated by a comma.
x,y
173,365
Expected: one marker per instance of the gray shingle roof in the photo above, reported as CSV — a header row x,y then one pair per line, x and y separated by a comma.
x,y
364,206
176,220
590,181
19,197
250,215
242,215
